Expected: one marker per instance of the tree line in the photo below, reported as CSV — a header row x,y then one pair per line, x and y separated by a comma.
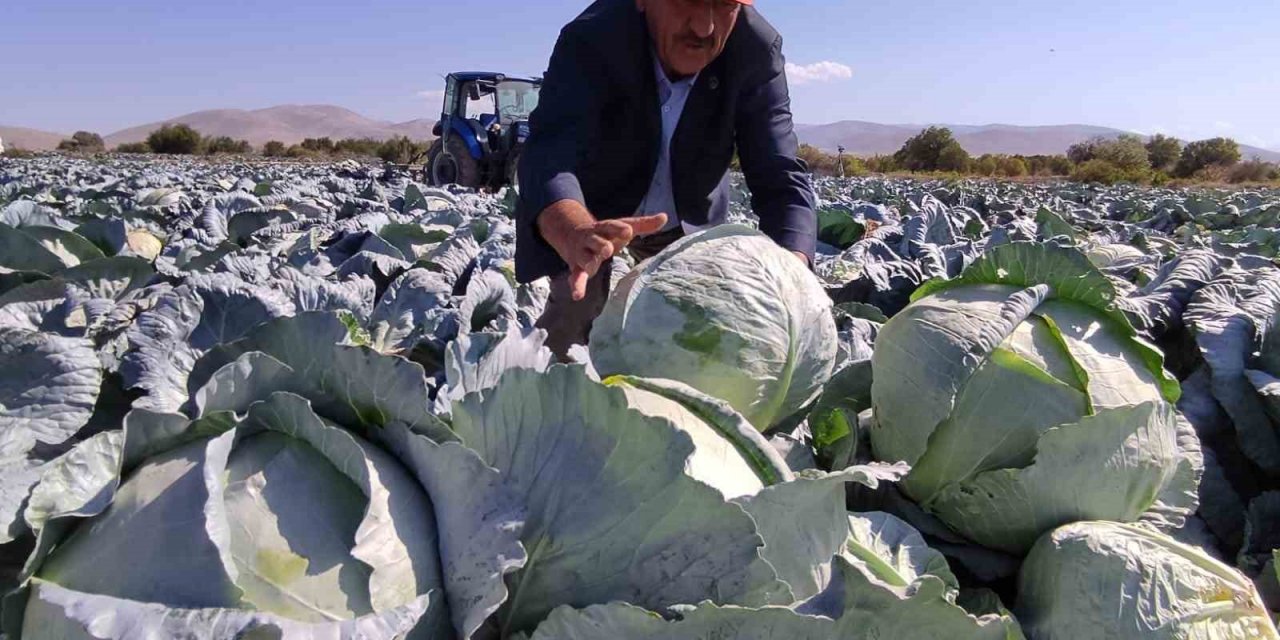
x,y
181,139
1125,158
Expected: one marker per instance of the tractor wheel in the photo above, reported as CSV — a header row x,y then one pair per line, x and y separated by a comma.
x,y
428,169
452,164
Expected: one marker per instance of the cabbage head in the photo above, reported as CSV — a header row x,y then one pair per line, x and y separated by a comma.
x,y
300,497
728,312
1113,581
1023,400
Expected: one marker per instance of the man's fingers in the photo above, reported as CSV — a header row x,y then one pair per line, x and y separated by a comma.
x,y
578,284
595,249
644,225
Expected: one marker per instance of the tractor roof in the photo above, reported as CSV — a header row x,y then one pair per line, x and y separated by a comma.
x,y
467,76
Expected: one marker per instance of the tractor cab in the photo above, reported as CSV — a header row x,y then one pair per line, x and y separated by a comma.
x,y
482,128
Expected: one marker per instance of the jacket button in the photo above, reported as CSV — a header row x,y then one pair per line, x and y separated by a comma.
x,y
715,83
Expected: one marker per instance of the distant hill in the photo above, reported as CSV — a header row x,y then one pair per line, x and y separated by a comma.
x,y
289,124
30,139
868,138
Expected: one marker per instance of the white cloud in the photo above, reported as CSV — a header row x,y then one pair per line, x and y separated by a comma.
x,y
431,95
1222,125
825,71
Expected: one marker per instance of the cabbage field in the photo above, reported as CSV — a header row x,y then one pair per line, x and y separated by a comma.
x,y
304,401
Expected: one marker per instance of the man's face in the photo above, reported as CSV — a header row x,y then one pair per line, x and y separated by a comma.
x,y
689,34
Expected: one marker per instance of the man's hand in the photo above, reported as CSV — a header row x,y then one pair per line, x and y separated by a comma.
x,y
585,243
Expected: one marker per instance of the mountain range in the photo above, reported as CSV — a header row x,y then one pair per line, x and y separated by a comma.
x,y
290,124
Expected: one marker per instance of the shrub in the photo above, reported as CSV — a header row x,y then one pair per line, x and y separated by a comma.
x,y
274,149
1163,152
1254,170
1060,165
357,146
133,147
1202,154
881,164
854,166
1013,167
819,162
985,165
934,149
1097,171
319,145
225,144
17,153
402,150
83,142
298,152
1127,153
175,139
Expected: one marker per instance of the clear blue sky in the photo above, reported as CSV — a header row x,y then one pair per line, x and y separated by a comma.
x,y
1188,67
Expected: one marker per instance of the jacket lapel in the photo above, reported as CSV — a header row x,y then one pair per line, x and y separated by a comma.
x,y
704,102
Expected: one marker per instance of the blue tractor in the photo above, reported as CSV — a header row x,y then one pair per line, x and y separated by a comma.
x,y
482,128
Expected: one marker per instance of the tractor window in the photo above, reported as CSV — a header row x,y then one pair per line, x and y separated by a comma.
x,y
516,100
485,105
450,97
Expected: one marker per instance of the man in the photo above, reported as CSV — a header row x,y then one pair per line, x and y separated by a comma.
x,y
641,108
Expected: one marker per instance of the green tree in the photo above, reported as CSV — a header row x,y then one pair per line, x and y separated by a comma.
x,y
1125,156
133,147
274,149
934,149
1163,152
83,142
175,139
1202,154
1128,152
1082,152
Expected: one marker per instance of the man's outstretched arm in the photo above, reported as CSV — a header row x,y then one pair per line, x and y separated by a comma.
x,y
555,214
781,194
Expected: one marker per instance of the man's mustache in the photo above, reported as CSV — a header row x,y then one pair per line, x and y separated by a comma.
x,y
694,41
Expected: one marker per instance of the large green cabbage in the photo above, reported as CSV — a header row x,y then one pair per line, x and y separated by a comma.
x,y
300,498
729,313
1111,581
1023,400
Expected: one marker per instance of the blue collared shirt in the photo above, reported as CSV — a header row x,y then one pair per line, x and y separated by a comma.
x,y
672,97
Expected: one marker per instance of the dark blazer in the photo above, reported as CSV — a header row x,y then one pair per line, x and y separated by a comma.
x,y
596,133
